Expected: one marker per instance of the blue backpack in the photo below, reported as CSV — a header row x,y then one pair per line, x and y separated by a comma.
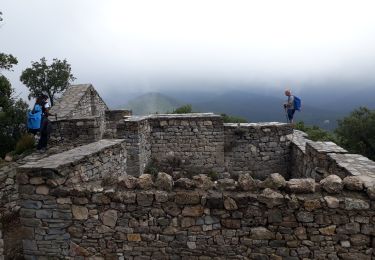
x,y
297,103
34,118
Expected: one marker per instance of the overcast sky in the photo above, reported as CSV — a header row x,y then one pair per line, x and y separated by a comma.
x,y
145,45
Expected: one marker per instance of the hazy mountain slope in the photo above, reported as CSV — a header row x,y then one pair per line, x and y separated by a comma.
x,y
151,103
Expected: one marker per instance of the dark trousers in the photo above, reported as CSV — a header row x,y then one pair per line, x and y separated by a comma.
x,y
42,144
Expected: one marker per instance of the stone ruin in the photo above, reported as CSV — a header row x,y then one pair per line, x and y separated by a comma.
x,y
184,187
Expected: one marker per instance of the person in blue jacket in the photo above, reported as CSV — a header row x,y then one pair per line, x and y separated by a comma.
x,y
34,117
45,127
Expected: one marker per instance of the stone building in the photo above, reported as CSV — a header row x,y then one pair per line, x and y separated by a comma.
x,y
79,101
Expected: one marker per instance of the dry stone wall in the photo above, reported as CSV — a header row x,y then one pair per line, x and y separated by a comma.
x,y
78,131
136,132
45,216
201,143
114,118
319,159
259,149
89,105
199,219
193,142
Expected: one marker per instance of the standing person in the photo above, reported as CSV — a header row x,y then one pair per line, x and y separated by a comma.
x,y
45,128
34,117
289,105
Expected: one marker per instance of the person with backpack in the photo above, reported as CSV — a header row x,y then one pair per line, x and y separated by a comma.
x,y
292,105
34,117
45,127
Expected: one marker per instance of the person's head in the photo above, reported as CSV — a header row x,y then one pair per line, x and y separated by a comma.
x,y
288,92
39,100
44,97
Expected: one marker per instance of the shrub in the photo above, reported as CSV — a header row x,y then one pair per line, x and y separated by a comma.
x,y
25,143
183,109
152,168
213,175
233,119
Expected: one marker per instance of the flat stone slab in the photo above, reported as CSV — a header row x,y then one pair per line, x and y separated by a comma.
x,y
299,138
255,125
74,155
326,147
357,165
173,116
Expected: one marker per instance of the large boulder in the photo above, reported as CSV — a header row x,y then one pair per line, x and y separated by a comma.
x,y
246,182
203,182
129,182
184,183
274,181
164,181
371,192
332,184
353,183
271,198
145,182
226,184
301,185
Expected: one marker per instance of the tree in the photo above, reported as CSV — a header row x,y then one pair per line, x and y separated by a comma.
x,y
47,79
233,119
356,132
183,109
315,133
12,110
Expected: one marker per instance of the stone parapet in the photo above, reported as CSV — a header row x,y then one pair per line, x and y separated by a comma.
x,y
294,219
257,148
78,130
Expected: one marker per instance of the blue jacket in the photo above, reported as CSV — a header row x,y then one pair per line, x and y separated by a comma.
x,y
34,117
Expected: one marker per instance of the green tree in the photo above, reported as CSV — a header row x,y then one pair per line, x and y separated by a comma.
x,y
183,109
316,133
233,119
12,110
49,79
356,132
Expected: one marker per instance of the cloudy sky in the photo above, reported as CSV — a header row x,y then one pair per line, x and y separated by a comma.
x,y
148,45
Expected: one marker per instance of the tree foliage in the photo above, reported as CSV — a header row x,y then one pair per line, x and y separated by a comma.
x,y
356,132
233,119
315,133
52,79
185,109
12,110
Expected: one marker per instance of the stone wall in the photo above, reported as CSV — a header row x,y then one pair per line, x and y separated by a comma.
x,y
114,118
201,143
199,219
319,159
90,105
45,216
190,142
136,132
78,131
259,149
8,190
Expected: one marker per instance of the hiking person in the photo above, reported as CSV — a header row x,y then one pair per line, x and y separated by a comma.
x,y
293,103
34,117
45,128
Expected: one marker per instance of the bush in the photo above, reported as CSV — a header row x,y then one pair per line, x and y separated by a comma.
x,y
233,119
152,168
315,133
25,143
183,109
213,175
